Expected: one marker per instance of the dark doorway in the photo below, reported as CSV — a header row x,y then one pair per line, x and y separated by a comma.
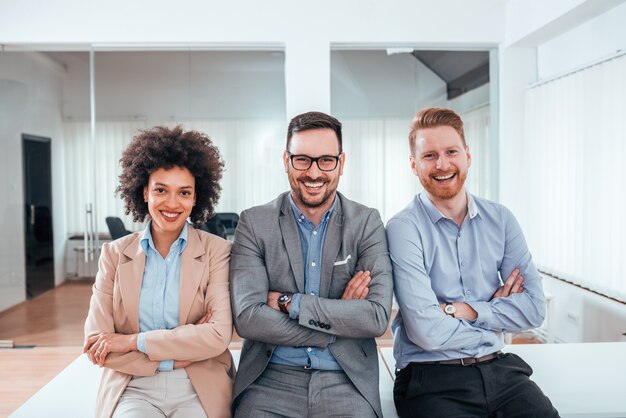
x,y
38,215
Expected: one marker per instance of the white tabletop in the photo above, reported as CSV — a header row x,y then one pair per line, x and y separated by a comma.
x,y
581,380
72,393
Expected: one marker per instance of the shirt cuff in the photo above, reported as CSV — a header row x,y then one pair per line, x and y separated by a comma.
x,y
141,342
485,316
166,366
331,339
294,308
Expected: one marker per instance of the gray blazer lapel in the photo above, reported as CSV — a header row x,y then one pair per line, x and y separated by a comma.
x,y
332,244
291,238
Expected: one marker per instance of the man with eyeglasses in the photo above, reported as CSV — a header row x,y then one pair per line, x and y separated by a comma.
x,y
311,287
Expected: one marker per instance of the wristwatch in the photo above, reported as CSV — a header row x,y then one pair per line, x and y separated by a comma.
x,y
450,310
283,301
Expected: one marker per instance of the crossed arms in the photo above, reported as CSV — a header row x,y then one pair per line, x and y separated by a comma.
x,y
362,312
517,304
208,337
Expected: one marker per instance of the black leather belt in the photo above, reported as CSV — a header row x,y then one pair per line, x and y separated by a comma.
x,y
464,361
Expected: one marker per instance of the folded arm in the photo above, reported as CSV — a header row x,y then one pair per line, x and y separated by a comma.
x,y
200,341
249,284
100,321
357,317
426,324
517,311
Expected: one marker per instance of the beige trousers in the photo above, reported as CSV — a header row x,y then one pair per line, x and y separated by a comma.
x,y
167,394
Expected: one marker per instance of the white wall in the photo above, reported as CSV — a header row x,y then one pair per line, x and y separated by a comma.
x,y
194,22
30,102
595,39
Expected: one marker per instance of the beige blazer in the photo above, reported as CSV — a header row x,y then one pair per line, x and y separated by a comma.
x,y
114,307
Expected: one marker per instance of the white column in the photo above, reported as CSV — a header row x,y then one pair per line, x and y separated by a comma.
x,y
307,76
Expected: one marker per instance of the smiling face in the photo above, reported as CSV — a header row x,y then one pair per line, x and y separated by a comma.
x,y
440,161
314,188
170,195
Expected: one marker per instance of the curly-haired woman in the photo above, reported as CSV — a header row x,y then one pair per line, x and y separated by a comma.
x,y
159,320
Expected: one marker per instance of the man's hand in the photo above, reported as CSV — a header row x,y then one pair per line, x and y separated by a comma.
x,y
357,287
272,300
100,345
511,286
463,311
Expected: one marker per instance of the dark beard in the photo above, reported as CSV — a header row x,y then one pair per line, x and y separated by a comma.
x,y
312,204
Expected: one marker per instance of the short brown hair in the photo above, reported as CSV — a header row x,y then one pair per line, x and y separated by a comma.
x,y
162,147
432,117
313,120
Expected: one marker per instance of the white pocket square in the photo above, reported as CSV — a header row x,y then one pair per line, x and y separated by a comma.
x,y
342,262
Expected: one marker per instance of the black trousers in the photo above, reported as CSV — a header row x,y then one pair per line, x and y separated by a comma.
x,y
496,388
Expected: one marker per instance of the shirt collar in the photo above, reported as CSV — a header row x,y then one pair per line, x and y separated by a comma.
x,y
147,242
434,214
299,215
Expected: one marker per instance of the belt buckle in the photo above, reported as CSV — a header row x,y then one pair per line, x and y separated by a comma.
x,y
463,362
307,367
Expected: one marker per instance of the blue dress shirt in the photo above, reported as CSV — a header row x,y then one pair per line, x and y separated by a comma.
x,y
435,261
312,244
159,298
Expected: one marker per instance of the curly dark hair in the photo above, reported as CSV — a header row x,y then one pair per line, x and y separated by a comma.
x,y
162,147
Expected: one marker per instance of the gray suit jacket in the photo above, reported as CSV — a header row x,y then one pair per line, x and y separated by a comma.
x,y
266,255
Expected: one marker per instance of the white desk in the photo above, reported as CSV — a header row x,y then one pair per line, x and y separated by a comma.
x,y
72,393
581,380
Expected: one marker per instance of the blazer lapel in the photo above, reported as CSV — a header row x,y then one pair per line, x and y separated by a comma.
x,y
332,245
191,273
291,238
130,278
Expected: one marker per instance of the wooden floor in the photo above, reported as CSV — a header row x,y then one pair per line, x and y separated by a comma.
x,y
49,328
54,318
24,371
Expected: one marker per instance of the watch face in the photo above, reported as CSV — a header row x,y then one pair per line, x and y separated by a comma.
x,y
450,309
284,299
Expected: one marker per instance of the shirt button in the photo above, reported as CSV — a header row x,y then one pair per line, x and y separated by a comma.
x,y
314,232
308,349
312,293
462,263
467,292
313,264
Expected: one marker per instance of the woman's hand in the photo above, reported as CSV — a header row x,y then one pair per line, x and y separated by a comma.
x,y
100,345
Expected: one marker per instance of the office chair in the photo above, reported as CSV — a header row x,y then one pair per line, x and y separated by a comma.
x,y
116,227
229,220
215,227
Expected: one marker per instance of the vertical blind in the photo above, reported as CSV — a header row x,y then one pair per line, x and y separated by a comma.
x,y
575,145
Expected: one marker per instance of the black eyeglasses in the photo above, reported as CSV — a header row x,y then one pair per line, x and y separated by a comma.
x,y
304,162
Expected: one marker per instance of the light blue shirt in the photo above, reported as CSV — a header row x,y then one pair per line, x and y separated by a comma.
x,y
435,261
312,244
160,288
